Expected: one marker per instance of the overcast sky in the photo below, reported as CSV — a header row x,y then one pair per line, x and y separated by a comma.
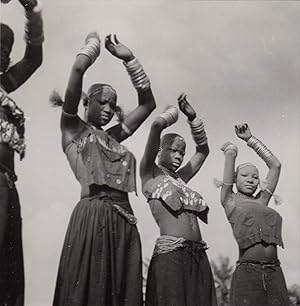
x,y
237,61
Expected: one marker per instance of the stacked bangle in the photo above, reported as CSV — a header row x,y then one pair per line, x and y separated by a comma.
x,y
138,77
260,148
198,131
170,115
91,48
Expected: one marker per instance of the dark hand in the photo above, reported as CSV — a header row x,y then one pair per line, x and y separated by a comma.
x,y
242,131
117,49
186,107
28,4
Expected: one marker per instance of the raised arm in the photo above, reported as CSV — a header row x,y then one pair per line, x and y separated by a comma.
x,y
141,82
199,136
167,118
70,122
230,153
16,75
268,157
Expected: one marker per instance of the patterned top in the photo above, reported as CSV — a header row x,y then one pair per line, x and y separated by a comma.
x,y
12,131
253,222
97,158
173,191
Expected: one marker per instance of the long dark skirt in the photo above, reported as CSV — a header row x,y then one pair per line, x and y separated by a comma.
x,y
180,278
255,284
11,250
101,262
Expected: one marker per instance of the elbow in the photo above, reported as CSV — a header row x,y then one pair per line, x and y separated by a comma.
x,y
152,106
277,165
274,163
158,124
147,99
78,68
38,61
203,149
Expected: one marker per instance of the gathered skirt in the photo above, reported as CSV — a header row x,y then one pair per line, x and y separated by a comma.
x,y
11,250
258,284
101,262
181,277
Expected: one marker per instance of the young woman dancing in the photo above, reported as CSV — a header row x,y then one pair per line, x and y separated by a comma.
x,y
12,140
258,278
101,261
179,272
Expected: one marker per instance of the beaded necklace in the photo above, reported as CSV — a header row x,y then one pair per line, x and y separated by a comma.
x,y
174,178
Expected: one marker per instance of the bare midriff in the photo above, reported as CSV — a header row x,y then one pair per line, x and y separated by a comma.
x,y
259,252
185,225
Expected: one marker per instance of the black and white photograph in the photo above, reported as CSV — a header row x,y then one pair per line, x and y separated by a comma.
x,y
149,153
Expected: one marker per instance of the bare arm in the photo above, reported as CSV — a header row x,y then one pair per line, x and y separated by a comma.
x,y
230,153
146,101
147,163
202,149
33,57
269,158
70,123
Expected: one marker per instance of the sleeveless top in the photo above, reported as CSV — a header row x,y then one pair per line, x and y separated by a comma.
x,y
253,223
176,194
97,158
12,131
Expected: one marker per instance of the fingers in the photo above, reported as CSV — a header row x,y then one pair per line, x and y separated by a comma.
x,y
116,39
229,146
92,35
241,128
182,97
108,42
225,145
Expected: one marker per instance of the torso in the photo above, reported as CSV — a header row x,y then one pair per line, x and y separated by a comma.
x,y
184,225
260,250
173,220
97,159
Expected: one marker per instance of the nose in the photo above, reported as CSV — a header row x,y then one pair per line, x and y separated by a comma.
x,y
178,156
107,109
250,180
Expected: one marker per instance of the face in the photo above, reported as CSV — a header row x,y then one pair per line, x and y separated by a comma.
x,y
172,154
247,179
7,40
101,108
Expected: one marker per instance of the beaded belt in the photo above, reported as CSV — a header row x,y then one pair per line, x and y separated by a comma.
x,y
166,244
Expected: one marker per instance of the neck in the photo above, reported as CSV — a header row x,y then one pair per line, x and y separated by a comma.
x,y
94,126
248,196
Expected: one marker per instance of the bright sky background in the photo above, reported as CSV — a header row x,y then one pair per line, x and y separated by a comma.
x,y
237,61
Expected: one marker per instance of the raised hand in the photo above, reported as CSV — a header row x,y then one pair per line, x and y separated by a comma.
x,y
28,4
229,147
242,131
170,115
91,48
117,49
186,107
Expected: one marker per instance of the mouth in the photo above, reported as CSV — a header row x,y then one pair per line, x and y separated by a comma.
x,y
176,165
104,117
